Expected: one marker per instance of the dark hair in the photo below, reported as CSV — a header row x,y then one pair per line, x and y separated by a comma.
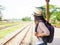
x,y
39,18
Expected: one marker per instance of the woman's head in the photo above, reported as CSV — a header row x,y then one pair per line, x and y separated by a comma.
x,y
38,15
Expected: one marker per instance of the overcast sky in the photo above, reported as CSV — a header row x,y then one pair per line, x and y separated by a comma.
x,y
21,8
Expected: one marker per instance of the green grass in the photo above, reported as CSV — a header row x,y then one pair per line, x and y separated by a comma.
x,y
9,24
9,30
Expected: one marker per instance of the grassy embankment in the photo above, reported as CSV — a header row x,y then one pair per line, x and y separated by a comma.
x,y
5,32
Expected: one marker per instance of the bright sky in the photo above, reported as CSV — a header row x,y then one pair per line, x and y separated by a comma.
x,y
21,8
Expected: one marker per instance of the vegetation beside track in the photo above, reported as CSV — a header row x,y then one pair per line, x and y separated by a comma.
x,y
5,32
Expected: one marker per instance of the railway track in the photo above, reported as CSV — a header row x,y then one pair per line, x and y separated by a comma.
x,y
19,37
28,39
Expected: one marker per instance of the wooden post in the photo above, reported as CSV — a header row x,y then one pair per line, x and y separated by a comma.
x,y
47,10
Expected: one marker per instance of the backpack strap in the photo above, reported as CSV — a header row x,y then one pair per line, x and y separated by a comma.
x,y
36,28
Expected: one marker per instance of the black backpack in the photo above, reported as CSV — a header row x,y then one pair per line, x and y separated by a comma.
x,y
49,38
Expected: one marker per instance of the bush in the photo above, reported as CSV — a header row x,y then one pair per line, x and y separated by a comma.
x,y
26,19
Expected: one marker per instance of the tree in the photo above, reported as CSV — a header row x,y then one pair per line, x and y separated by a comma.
x,y
54,12
1,8
26,19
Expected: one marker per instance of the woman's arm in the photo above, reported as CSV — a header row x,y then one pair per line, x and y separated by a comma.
x,y
44,29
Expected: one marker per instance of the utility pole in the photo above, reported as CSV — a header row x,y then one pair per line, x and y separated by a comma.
x,y
47,10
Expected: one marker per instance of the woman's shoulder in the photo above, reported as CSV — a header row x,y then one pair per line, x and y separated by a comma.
x,y
41,24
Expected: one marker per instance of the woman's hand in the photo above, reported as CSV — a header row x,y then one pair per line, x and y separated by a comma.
x,y
36,34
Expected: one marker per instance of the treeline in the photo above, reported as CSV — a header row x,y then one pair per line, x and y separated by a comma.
x,y
26,19
17,20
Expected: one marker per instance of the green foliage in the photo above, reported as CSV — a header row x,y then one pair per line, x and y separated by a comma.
x,y
50,6
26,19
6,32
54,12
0,18
58,16
55,16
1,8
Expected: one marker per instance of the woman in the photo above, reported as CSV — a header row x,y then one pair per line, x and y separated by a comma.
x,y
41,29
